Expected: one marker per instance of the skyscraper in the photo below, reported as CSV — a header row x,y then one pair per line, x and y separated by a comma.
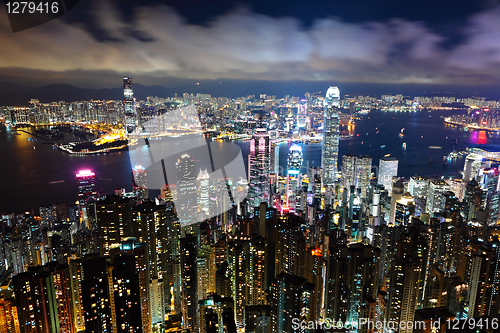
x,y
140,182
186,189
387,168
331,135
302,114
86,185
356,171
204,203
259,168
86,188
294,160
131,120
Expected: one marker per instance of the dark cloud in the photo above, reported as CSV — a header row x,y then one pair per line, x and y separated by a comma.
x,y
156,42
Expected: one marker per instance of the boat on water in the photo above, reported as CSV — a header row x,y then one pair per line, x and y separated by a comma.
x,y
401,135
57,182
383,146
404,145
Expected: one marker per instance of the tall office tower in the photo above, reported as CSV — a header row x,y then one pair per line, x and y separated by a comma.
x,y
302,114
204,183
275,159
472,166
348,171
9,319
188,249
131,120
490,181
43,299
289,298
86,185
419,187
331,136
356,171
435,198
186,190
295,160
75,279
259,168
293,178
140,182
86,189
387,169
114,222
363,174
238,267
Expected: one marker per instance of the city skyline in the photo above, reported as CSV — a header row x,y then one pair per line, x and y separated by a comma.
x,y
250,166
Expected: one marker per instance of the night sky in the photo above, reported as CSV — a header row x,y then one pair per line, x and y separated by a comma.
x,y
450,42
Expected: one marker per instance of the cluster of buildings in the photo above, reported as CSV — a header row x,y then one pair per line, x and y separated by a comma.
x,y
352,244
487,119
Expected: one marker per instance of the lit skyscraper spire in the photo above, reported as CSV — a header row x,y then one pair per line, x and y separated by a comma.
x,y
331,135
129,105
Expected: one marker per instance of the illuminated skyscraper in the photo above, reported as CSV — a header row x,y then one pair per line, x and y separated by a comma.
x,y
86,185
86,189
331,135
356,171
388,168
186,189
131,120
259,168
472,166
140,182
294,160
302,114
204,181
